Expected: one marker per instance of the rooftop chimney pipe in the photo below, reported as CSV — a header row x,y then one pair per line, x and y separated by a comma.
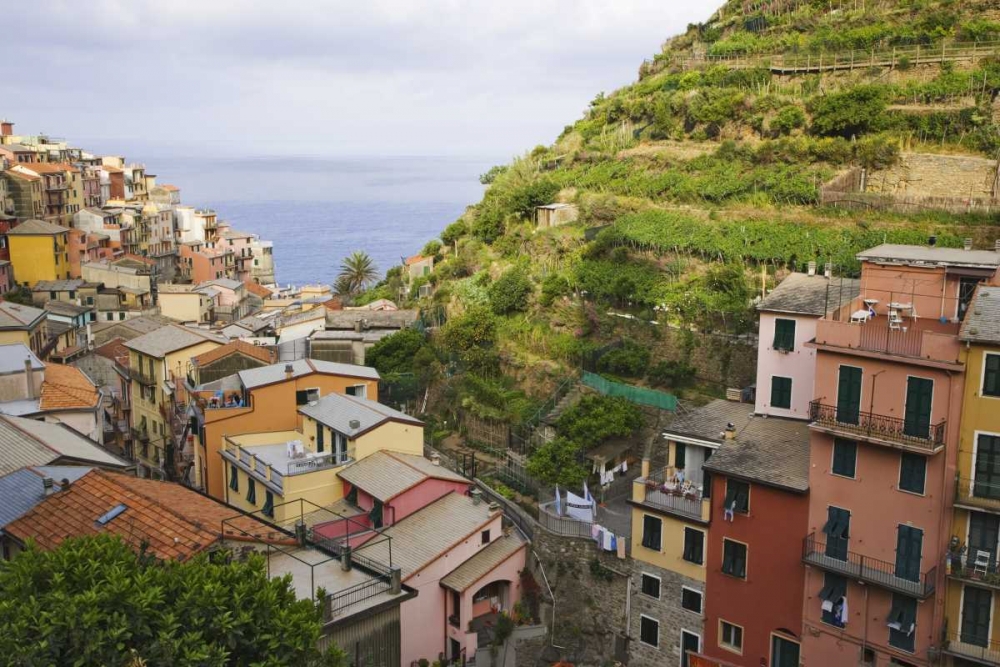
x,y
48,485
730,432
29,378
289,371
812,268
932,241
967,244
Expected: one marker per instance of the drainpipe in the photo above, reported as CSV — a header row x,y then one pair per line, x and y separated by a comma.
x,y
944,523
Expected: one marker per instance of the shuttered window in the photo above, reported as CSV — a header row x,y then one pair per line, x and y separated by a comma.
x,y
845,457
234,477
838,532
268,504
737,496
649,631
652,531
831,598
909,544
912,472
251,491
319,437
902,622
694,546
781,392
650,586
991,375
784,334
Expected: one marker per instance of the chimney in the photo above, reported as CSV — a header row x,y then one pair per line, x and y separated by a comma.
x,y
435,459
477,496
812,268
6,128
932,241
345,558
48,485
357,326
967,244
730,432
289,371
354,424
996,246
828,269
494,507
300,533
396,580
644,470
29,378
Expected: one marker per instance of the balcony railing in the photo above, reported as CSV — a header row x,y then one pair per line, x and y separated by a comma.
x,y
964,566
661,490
882,428
872,570
979,494
142,376
140,433
973,647
923,339
320,462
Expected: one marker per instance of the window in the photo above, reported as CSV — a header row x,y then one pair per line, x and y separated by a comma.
x,y
984,533
234,478
359,390
730,636
319,437
680,455
909,543
650,586
268,504
977,604
987,468
485,535
912,472
652,532
352,495
833,597
734,559
917,416
694,546
781,392
991,375
306,396
737,496
251,491
849,395
845,457
691,599
838,532
784,335
784,652
649,631
902,622
376,514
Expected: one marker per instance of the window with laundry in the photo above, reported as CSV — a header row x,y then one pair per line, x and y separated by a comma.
x,y
737,496
912,472
730,636
652,532
694,546
902,622
649,631
734,558
650,585
845,457
833,600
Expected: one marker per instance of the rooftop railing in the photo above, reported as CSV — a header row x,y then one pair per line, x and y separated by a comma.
x,y
872,426
865,568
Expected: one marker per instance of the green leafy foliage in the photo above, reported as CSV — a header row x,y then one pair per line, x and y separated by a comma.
x,y
849,113
396,353
509,293
471,338
554,286
454,231
93,601
557,462
787,119
596,418
630,360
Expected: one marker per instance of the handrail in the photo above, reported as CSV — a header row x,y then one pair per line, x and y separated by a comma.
x,y
882,427
971,491
972,646
872,570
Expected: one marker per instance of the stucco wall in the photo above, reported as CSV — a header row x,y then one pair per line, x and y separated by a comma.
x,y
799,364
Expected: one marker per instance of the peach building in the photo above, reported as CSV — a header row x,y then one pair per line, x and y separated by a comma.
x,y
884,441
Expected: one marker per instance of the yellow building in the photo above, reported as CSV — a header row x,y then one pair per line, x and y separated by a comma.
x,y
39,251
270,471
23,324
972,614
159,362
185,304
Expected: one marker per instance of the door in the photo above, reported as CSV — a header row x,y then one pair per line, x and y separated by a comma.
x,y
987,481
976,606
966,289
919,392
838,532
909,543
849,395
689,642
984,531
456,652
784,652
694,459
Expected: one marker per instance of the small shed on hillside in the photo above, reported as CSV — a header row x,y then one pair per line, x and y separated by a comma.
x,y
553,215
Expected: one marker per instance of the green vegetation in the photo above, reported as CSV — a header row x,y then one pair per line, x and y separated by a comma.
x,y
510,292
357,272
93,601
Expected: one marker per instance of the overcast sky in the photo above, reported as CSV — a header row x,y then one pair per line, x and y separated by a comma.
x,y
259,77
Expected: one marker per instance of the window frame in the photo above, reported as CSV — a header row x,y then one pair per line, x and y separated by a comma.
x,y
746,558
982,383
701,550
656,623
772,402
745,511
779,341
484,537
923,481
643,577
785,638
729,646
701,599
833,458
659,546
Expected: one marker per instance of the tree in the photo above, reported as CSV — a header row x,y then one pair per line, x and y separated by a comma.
x,y
94,601
357,271
853,112
509,293
557,462
395,353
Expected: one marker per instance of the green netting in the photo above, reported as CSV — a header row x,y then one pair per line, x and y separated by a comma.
x,y
638,395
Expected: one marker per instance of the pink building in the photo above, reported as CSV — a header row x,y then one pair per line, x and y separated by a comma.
x,y
200,263
240,243
884,439
231,302
87,247
785,363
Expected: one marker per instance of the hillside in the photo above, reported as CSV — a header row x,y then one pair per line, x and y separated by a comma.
x,y
702,183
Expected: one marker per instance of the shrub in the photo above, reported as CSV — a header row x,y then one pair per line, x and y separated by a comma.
x,y
491,175
630,360
557,462
431,249
553,286
596,417
454,231
671,374
853,112
787,119
510,292
395,353
471,338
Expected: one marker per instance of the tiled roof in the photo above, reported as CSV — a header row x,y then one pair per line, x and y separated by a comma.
x,y
484,562
19,174
114,350
227,283
769,450
385,475
429,533
339,411
256,377
171,338
26,442
802,294
136,325
22,489
12,358
67,388
982,320
415,259
708,422
927,255
57,285
173,522
15,316
384,319
37,228
259,290
66,309
50,167
258,352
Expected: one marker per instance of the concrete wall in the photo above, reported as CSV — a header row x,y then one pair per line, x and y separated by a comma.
x,y
799,364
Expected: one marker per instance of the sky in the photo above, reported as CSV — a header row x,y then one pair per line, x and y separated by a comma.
x,y
322,77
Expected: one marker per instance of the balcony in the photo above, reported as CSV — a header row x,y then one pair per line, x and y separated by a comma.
x,y
963,567
978,649
920,340
142,377
659,491
879,429
870,570
140,433
977,495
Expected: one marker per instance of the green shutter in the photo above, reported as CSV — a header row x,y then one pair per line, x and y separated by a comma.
x,y
845,457
849,395
919,394
977,603
987,473
268,504
781,392
251,491
991,375
909,542
912,472
784,334
234,478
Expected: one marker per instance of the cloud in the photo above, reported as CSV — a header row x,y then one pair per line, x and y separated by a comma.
x,y
416,76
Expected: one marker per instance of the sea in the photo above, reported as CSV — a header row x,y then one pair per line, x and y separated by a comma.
x,y
318,210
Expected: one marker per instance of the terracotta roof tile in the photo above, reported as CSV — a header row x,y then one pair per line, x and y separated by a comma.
x,y
172,521
67,388
259,290
258,352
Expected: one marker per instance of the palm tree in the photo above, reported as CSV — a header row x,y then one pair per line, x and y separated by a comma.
x,y
357,272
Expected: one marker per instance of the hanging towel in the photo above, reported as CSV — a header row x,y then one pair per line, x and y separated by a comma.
x,y
621,549
594,530
558,502
624,466
843,611
827,605
614,543
608,537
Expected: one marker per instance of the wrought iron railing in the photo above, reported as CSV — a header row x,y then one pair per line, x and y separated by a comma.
x,y
978,493
562,525
882,427
968,566
974,646
872,570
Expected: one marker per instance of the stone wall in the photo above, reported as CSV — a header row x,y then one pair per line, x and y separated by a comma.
x,y
667,611
720,359
929,175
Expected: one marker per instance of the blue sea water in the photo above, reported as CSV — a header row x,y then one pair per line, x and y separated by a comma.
x,y
318,210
